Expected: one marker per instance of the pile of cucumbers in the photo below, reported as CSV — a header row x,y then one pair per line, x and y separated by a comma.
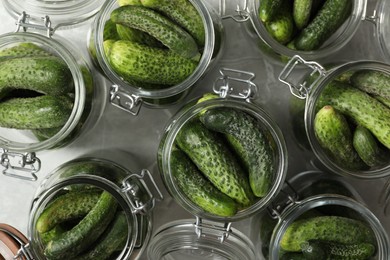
x,y
353,120
223,160
327,237
303,24
154,44
83,224
36,90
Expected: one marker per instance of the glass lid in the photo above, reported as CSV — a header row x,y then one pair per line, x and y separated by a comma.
x,y
184,239
383,28
61,12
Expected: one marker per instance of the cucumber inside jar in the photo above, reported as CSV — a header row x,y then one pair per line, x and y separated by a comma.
x,y
352,120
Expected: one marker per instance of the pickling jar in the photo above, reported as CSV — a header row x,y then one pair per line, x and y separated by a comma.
x,y
19,145
129,97
280,54
134,193
311,194
211,234
309,86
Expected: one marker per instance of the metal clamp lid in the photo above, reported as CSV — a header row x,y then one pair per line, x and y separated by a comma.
x,y
300,89
276,209
128,102
222,233
23,22
235,83
241,13
17,164
137,191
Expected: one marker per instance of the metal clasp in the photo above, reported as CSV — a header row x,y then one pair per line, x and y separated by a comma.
x,y
137,191
241,12
290,198
125,101
24,253
300,89
201,229
235,83
24,22
373,18
18,163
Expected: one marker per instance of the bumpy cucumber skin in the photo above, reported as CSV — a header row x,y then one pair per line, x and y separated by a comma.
x,y
115,234
69,206
198,189
302,12
110,31
52,234
34,113
362,108
86,232
366,146
334,135
183,13
134,35
215,161
249,142
329,18
268,9
160,27
332,228
373,82
46,75
129,2
319,249
282,27
383,100
136,62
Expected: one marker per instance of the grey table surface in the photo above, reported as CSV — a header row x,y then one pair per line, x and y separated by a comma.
x,y
138,137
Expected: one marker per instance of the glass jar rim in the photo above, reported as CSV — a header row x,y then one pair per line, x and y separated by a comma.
x,y
309,116
382,28
184,115
79,90
181,235
358,13
291,213
62,13
205,59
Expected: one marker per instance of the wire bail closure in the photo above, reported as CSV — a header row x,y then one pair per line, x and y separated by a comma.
x,y
201,227
24,22
125,101
241,13
16,164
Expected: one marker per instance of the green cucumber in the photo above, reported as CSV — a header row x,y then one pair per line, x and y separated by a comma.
x,y
110,31
46,75
328,19
320,249
22,50
47,236
136,62
37,112
302,12
268,9
197,188
282,27
213,158
115,234
134,35
372,82
249,142
383,100
367,147
183,13
358,105
129,2
160,27
45,133
86,232
71,205
331,228
334,136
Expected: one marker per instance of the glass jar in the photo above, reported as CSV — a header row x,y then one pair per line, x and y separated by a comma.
x,y
280,54
177,240
313,194
19,143
129,97
312,87
62,13
126,217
